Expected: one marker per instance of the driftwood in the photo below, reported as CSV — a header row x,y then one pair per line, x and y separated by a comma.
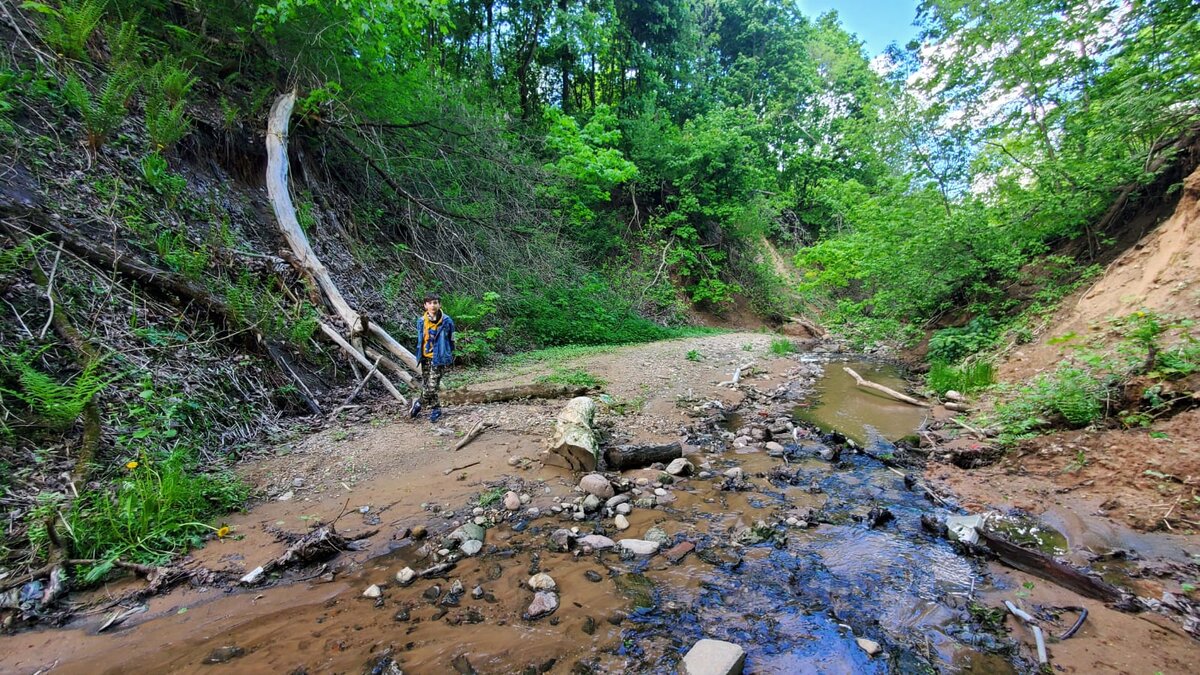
x,y
320,544
622,457
514,393
306,259
452,469
867,384
471,435
737,375
574,445
1046,567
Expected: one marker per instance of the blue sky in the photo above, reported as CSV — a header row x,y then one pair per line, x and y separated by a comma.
x,y
876,22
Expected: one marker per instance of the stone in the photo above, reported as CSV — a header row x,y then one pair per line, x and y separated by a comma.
x,y
714,657
533,512
418,532
679,551
774,448
614,502
512,501
598,542
668,498
525,499
657,534
659,492
591,503
624,509
405,576
680,467
542,582
544,603
560,539
373,591
477,511
477,592
593,576
471,547
639,546
871,647
595,484
224,654
734,473
286,497
621,522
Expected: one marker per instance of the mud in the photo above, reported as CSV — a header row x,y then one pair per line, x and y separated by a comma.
x,y
793,561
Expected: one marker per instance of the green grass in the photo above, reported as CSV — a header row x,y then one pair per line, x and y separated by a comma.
x,y
490,497
693,355
782,347
159,507
572,376
965,378
1070,396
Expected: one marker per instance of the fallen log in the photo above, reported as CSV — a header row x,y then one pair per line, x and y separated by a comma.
x,y
357,356
867,384
475,431
1046,567
574,445
622,457
514,393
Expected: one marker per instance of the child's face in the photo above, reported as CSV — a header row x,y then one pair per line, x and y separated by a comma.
x,y
432,307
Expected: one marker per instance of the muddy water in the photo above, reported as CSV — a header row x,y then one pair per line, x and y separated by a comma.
x,y
795,596
840,405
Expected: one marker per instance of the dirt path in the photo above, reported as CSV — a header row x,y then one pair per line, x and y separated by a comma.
x,y
796,604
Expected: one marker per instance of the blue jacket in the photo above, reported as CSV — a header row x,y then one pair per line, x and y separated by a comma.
x,y
443,341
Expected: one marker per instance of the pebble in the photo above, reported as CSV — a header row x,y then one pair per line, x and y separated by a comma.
x,y
512,501
639,546
624,509
479,520
871,647
714,657
659,492
657,535
598,542
544,602
477,592
595,484
774,448
591,503
680,467
734,473
471,547
405,576
613,502
525,498
542,582
286,497
593,576
533,512
477,511
621,522
373,591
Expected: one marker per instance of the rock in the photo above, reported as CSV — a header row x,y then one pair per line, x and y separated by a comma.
x,y
591,503
871,647
418,532
659,492
286,497
471,547
624,509
679,551
432,593
639,546
714,657
734,473
542,582
614,502
828,454
665,499
595,484
560,539
512,501
544,603
657,534
514,460
593,576
954,396
597,542
373,591
533,512
621,522
589,625
525,499
774,448
477,592
405,576
680,467
224,654
477,511
877,517
297,482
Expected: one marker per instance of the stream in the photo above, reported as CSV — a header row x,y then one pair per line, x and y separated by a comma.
x,y
799,553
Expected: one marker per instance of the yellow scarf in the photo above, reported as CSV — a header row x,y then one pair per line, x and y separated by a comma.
x,y
431,327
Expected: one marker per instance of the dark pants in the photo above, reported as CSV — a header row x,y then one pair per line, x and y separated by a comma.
x,y
431,381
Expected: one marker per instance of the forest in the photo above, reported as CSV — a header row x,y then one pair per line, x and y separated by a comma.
x,y
564,173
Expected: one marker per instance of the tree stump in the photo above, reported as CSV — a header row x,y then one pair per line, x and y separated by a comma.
x,y
574,445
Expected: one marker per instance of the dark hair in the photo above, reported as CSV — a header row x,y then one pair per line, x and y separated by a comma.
x,y
430,297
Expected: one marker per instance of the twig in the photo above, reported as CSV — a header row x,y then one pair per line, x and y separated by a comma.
x,y
968,427
50,293
340,514
475,431
452,469
361,382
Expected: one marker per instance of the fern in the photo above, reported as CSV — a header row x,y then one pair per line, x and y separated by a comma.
x,y
103,112
70,26
125,45
58,404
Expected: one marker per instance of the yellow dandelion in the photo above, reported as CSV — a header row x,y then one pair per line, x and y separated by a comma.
x,y
131,465
223,532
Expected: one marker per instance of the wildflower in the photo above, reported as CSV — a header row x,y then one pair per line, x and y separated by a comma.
x,y
223,532
131,465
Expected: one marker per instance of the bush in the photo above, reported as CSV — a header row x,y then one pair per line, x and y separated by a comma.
x,y
782,347
1070,395
588,312
950,345
59,405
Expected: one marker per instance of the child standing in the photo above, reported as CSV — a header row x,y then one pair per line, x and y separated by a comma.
x,y
435,353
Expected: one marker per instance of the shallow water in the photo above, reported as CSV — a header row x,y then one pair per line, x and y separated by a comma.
x,y
842,406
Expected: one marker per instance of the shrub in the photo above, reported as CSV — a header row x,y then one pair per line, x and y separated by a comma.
x,y
1070,395
950,345
782,347
587,312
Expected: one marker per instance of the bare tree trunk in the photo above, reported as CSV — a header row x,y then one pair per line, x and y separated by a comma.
x,y
574,445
